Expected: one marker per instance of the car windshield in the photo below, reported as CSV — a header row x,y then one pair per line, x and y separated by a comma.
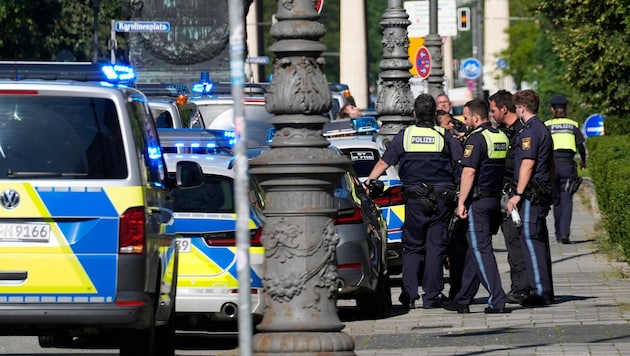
x,y
215,195
45,136
221,117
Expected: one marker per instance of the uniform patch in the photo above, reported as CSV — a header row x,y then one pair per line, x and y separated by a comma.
x,y
526,143
468,150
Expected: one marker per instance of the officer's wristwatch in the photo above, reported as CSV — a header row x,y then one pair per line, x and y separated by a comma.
x,y
518,194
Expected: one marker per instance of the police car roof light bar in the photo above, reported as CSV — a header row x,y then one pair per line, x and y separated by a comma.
x,y
204,86
78,71
199,141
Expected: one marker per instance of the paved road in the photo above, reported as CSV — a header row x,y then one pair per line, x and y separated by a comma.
x,y
591,315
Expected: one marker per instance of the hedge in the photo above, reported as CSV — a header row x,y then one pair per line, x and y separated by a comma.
x,y
609,164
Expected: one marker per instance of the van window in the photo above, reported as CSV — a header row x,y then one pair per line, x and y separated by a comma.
x,y
60,137
148,143
215,195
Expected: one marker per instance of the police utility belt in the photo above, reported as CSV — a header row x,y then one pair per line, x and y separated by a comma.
x,y
538,193
427,196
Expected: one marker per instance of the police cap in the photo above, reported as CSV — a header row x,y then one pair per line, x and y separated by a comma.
x,y
559,101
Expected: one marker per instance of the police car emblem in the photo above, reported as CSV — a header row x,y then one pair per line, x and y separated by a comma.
x,y
9,199
526,143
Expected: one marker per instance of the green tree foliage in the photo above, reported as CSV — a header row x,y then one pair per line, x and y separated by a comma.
x,y
41,29
26,26
593,39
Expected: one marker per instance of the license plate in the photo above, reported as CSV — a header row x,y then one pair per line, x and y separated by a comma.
x,y
362,156
37,232
183,244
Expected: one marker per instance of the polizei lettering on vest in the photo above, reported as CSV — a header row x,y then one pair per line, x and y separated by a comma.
x,y
423,139
500,146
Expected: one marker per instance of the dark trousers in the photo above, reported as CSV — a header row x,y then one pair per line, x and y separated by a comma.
x,y
535,247
457,250
518,271
562,200
481,258
424,241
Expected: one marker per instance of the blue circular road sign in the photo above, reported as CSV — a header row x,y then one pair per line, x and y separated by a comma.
x,y
471,68
594,125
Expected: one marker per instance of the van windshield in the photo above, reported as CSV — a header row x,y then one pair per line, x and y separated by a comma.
x,y
60,137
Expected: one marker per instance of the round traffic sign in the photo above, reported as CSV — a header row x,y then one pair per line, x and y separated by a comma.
x,y
594,125
423,62
319,5
471,68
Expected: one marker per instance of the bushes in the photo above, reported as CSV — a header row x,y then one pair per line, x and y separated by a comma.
x,y
610,170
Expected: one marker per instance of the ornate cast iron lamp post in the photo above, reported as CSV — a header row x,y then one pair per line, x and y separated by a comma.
x,y
395,100
298,174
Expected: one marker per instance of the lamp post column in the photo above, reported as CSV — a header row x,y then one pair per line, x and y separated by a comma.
x,y
298,174
433,42
395,100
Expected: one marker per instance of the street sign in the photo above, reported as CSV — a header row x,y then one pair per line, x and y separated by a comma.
x,y
594,125
419,16
142,26
319,5
257,60
470,68
423,62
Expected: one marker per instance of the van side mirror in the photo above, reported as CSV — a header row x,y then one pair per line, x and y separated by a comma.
x,y
188,174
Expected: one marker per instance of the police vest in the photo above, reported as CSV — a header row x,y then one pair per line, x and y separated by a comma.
x,y
562,133
491,172
426,158
497,142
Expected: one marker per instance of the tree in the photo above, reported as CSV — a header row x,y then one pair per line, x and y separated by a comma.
x,y
41,29
593,38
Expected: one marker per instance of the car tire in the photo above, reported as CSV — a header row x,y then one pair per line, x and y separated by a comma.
x,y
377,303
140,342
165,336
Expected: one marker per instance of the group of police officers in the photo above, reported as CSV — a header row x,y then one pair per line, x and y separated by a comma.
x,y
459,190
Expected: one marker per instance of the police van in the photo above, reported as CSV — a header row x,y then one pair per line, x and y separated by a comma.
x,y
85,202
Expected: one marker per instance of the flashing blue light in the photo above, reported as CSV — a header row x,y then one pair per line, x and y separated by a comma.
x,y
365,124
154,152
211,145
117,73
204,86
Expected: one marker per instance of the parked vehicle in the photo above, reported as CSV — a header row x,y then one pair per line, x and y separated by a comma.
x,y
84,206
356,139
362,249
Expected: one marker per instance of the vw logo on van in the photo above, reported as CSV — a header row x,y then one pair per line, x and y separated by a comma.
x,y
9,199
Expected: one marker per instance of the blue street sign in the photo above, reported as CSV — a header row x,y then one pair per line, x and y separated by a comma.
x,y
471,68
142,26
594,125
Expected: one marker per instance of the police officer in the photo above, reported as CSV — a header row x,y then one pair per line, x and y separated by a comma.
x,y
567,141
504,114
424,154
532,196
483,165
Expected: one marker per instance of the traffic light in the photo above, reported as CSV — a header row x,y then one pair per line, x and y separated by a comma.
x,y
463,19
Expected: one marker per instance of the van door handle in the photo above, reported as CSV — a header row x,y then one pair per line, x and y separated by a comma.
x,y
13,275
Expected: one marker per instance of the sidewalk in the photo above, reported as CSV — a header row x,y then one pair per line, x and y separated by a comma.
x,y
591,315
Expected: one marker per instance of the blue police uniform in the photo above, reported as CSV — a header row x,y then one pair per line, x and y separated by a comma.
x,y
534,142
485,150
519,287
567,138
424,155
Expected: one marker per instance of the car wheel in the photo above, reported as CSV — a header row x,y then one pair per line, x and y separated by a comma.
x,y
377,303
165,336
140,342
